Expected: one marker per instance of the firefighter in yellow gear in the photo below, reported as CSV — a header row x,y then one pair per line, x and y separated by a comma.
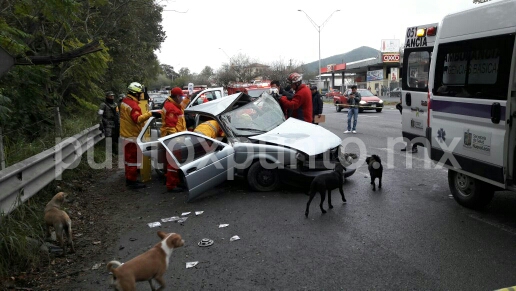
x,y
210,128
131,122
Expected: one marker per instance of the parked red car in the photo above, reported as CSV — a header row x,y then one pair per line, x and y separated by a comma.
x,y
369,101
333,93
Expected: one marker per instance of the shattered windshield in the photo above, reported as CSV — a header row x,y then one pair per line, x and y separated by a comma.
x,y
253,118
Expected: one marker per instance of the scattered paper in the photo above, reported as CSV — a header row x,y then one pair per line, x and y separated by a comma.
x,y
182,220
191,264
223,225
154,224
185,213
234,238
173,218
96,242
96,266
199,212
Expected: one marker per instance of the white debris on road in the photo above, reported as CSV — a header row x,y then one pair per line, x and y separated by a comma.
x,y
154,224
191,264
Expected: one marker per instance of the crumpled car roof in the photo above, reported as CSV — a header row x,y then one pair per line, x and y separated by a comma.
x,y
219,106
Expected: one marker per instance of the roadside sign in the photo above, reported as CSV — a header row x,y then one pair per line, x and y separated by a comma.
x,y
6,61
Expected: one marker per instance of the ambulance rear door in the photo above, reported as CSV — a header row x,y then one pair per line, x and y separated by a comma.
x,y
419,44
469,105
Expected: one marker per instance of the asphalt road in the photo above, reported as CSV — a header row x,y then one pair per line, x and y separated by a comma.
x,y
410,235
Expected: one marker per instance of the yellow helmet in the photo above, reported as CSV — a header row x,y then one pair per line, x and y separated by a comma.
x,y
135,87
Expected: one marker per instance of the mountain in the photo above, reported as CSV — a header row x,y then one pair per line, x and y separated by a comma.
x,y
357,54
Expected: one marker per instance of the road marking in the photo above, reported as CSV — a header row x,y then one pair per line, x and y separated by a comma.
x,y
497,225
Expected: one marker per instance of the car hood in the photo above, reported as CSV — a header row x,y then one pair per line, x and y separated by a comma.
x,y
370,99
306,137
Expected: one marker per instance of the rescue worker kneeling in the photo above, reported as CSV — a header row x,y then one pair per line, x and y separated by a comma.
x,y
173,121
210,128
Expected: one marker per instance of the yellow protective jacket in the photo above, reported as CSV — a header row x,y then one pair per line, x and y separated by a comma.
x,y
172,117
185,102
209,128
131,118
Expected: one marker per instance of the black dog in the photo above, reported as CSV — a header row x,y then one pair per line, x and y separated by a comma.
x,y
328,182
374,164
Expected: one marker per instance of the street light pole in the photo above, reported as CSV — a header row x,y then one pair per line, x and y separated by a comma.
x,y
226,55
318,28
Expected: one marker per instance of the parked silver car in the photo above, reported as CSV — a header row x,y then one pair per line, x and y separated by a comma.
x,y
259,144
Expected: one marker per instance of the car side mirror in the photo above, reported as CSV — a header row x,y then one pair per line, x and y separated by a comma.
x,y
376,94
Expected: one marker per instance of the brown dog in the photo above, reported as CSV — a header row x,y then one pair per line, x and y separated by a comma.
x,y
58,219
150,265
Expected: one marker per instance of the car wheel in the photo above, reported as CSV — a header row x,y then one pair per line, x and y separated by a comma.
x,y
337,107
261,179
469,192
379,109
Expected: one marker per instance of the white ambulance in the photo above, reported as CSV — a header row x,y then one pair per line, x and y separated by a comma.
x,y
419,44
472,101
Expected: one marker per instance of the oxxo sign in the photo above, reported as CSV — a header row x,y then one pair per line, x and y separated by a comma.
x,y
391,58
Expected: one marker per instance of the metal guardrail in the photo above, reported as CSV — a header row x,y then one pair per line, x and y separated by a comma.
x,y
23,180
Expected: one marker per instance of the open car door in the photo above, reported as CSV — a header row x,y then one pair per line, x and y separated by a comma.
x,y
148,141
204,162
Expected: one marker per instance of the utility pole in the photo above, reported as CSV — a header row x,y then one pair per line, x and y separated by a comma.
x,y
318,28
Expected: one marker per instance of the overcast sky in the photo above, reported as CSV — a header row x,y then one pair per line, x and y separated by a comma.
x,y
271,30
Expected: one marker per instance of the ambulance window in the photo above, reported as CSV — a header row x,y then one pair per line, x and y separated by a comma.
x,y
477,68
417,70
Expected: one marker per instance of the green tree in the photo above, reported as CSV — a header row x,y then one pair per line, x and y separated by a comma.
x,y
50,27
184,72
207,72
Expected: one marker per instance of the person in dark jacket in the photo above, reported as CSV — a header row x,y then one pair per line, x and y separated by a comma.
x,y
301,103
110,120
282,92
353,102
317,104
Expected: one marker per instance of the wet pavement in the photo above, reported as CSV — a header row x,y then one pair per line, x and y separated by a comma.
x,y
410,235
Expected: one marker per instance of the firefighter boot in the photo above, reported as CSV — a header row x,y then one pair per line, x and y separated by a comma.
x,y
134,184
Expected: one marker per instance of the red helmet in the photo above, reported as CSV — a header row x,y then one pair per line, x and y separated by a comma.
x,y
294,78
176,91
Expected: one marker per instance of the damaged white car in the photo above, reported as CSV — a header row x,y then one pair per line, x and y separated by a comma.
x,y
258,144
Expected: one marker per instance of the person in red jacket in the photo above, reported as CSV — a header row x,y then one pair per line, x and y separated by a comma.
x,y
301,103
173,121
